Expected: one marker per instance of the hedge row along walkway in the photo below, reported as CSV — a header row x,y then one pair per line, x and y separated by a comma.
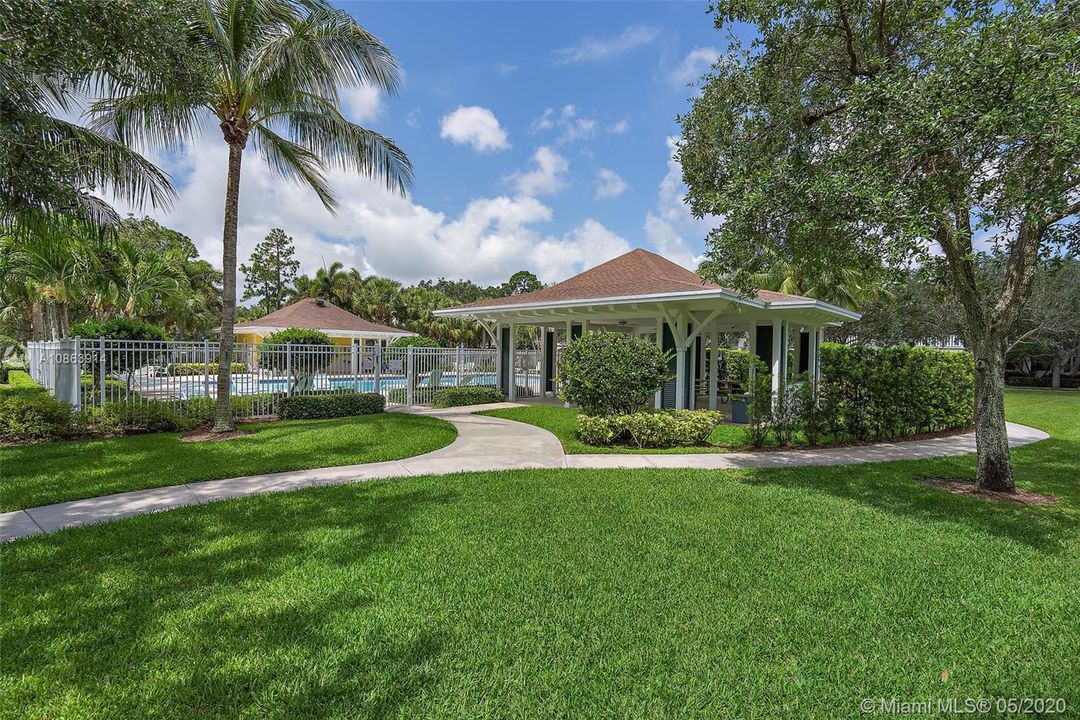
x,y
483,443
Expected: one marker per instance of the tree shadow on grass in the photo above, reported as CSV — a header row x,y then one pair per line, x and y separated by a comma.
x,y
261,606
892,488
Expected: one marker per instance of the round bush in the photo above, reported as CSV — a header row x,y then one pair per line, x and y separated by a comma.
x,y
607,373
413,341
312,351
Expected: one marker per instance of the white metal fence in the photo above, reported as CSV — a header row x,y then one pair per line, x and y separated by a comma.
x,y
91,373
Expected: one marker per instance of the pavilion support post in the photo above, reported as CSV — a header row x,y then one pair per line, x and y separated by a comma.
x,y
680,364
658,403
511,390
714,364
569,336
812,355
777,361
818,339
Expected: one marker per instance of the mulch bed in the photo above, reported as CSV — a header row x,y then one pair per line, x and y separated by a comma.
x,y
966,487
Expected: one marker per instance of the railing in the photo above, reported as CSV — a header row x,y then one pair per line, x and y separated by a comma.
x,y
91,373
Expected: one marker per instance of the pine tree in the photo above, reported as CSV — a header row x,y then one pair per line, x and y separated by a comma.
x,y
269,272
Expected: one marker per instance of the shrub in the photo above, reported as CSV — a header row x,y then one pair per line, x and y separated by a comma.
x,y
122,418
120,329
870,393
468,395
31,414
3,375
758,406
331,405
734,366
200,410
611,373
200,368
651,429
1040,382
413,341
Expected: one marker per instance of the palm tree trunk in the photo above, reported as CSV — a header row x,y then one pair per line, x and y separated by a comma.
x,y
37,321
223,421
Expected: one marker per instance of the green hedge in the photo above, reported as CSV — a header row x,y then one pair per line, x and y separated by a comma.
x,y
611,373
877,393
1040,382
333,405
468,395
123,418
652,429
31,414
200,368
420,341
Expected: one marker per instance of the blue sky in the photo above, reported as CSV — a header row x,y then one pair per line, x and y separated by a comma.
x,y
539,132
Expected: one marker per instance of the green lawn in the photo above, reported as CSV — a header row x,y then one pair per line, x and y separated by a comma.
x,y
562,423
771,594
55,472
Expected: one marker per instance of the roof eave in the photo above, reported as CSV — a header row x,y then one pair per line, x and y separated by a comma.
x,y
612,300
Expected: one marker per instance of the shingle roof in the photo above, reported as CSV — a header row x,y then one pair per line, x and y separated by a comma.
x,y
638,272
312,314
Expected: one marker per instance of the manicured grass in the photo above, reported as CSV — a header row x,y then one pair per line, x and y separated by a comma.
x,y
791,593
562,423
55,472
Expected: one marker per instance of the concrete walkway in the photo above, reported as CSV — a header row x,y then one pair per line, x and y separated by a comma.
x,y
483,443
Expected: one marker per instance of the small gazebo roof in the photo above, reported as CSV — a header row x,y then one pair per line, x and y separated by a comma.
x,y
639,278
322,315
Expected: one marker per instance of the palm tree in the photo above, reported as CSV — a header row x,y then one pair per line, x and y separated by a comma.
x,y
331,283
277,69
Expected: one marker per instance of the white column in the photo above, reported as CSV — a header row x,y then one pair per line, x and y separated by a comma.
x,y
584,326
498,354
543,361
714,363
659,400
691,376
680,364
511,391
569,335
811,354
816,340
777,366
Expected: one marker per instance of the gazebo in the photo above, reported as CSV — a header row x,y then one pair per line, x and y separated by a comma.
x,y
644,293
340,325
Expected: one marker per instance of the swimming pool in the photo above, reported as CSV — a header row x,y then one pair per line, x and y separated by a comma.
x,y
253,385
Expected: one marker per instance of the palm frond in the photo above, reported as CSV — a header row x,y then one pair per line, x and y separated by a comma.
x,y
295,162
163,119
346,145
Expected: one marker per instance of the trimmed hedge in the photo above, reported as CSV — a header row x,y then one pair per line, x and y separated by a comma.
x,y
122,418
177,369
876,393
31,414
405,341
649,429
119,329
1040,382
333,405
468,395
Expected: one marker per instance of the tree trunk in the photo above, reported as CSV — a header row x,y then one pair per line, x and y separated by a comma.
x,y
37,322
1055,371
223,421
991,438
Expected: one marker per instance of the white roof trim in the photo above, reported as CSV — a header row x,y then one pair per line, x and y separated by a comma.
x,y
270,330
794,304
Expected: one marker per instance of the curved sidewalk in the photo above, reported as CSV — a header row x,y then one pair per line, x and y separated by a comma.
x,y
483,443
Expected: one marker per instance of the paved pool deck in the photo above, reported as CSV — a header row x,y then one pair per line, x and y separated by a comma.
x,y
483,444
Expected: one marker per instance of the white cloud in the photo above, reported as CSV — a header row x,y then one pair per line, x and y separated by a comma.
x,y
547,175
569,124
693,66
377,231
361,104
609,184
671,228
620,127
594,49
476,126
505,68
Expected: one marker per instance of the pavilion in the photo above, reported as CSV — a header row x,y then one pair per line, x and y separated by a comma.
x,y
644,293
